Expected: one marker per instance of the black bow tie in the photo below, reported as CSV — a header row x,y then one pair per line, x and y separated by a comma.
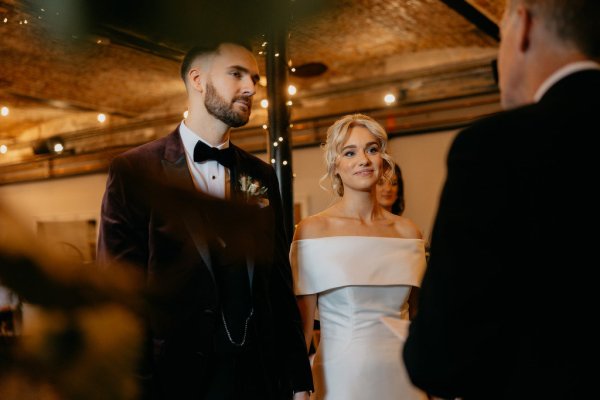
x,y
203,152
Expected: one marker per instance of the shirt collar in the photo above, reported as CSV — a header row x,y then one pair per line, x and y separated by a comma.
x,y
559,74
190,138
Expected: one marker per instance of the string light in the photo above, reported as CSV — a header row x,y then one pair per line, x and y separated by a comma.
x,y
101,118
389,98
265,126
292,90
185,114
272,161
4,111
284,162
264,103
3,149
275,144
58,148
289,103
280,139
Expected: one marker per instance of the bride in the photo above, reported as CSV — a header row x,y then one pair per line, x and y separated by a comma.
x,y
361,264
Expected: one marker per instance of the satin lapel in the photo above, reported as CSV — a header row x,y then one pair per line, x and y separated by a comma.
x,y
176,170
234,186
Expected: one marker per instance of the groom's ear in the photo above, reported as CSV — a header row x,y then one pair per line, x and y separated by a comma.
x,y
195,78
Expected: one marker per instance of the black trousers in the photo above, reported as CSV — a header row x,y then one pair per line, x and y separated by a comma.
x,y
237,375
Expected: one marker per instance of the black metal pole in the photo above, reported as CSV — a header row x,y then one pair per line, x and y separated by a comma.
x,y
280,147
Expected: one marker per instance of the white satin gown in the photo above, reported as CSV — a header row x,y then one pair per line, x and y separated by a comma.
x,y
359,280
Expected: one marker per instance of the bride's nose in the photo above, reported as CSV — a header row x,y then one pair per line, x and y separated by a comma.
x,y
364,159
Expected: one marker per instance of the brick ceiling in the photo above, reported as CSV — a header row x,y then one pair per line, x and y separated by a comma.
x,y
59,83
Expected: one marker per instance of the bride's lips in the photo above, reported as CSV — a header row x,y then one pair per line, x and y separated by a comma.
x,y
364,172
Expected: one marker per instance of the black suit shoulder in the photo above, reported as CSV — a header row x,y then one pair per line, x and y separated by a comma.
x,y
150,151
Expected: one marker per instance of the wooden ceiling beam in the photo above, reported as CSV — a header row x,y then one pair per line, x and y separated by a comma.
x,y
475,16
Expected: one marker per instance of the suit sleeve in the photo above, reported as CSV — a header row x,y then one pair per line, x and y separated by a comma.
x,y
285,308
453,339
123,226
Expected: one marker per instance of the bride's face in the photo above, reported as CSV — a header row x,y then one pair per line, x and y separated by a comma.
x,y
359,164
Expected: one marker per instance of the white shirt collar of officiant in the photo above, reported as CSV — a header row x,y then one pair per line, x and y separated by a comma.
x,y
566,70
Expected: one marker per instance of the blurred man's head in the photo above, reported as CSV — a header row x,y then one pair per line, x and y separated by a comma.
x,y
540,36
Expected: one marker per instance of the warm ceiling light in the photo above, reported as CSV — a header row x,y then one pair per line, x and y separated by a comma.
x,y
4,111
185,114
264,103
292,90
101,118
3,149
54,144
389,98
58,147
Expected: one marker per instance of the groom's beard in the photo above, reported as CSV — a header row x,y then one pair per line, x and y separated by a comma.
x,y
218,107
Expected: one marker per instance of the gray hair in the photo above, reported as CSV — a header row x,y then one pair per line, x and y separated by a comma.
x,y
573,21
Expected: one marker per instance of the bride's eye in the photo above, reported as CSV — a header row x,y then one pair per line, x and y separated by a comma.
x,y
373,150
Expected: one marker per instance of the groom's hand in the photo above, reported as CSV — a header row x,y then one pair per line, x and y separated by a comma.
x,y
301,396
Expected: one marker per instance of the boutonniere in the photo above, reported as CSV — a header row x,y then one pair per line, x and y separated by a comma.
x,y
253,192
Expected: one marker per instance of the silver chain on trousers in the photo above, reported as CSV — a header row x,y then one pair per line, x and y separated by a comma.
x,y
245,329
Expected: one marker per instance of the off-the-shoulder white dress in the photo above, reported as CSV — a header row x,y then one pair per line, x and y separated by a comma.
x,y
359,280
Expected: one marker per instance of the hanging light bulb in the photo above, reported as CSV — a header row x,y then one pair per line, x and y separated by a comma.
x,y
389,98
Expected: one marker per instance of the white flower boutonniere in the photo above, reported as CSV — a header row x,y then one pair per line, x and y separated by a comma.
x,y
253,192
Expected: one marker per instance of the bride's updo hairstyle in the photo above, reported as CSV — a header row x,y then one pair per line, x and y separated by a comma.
x,y
338,133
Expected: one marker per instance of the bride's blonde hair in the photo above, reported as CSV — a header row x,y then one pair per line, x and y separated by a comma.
x,y
338,133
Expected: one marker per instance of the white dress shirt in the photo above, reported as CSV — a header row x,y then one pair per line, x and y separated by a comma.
x,y
209,176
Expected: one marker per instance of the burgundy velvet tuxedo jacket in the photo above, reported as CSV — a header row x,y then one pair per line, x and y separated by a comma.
x,y
154,219
509,299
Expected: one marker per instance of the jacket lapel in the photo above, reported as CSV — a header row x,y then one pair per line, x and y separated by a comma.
x,y
177,173
234,189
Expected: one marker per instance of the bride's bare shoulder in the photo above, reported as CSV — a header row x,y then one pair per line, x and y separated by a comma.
x,y
407,228
312,227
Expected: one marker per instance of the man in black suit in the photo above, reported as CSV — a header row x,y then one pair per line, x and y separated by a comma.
x,y
506,308
222,324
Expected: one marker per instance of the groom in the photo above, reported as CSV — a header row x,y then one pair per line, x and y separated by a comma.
x,y
221,326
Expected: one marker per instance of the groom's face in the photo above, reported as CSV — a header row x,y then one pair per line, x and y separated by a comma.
x,y
231,85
